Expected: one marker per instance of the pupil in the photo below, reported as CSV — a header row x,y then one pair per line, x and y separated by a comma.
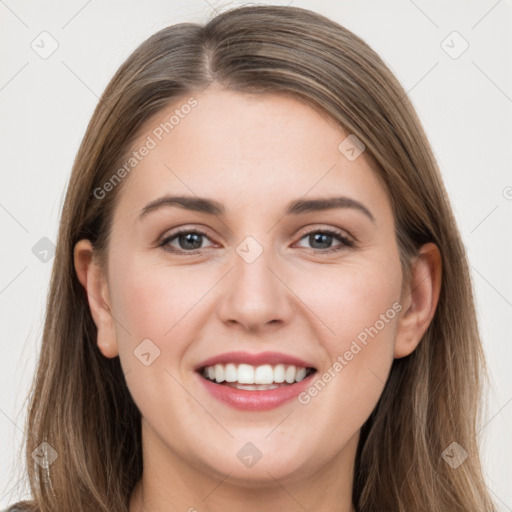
x,y
320,238
189,238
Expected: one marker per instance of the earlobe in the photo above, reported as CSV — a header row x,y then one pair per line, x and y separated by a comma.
x,y
422,297
92,277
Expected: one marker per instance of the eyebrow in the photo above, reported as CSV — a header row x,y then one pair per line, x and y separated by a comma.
x,y
297,207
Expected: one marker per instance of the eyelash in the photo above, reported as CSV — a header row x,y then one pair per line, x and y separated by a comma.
x,y
346,242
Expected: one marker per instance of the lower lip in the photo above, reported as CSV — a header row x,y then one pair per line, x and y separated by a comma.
x,y
261,400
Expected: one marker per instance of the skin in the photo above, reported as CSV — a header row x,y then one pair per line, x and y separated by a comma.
x,y
254,154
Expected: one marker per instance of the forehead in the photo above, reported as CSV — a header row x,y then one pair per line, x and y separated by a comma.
x,y
241,148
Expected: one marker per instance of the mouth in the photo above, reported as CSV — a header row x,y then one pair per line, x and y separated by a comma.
x,y
255,388
255,378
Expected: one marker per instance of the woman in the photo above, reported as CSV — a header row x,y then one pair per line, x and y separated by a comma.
x,y
256,369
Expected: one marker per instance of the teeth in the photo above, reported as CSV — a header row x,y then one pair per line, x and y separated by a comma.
x,y
279,373
219,373
252,387
243,376
290,374
264,374
230,374
301,374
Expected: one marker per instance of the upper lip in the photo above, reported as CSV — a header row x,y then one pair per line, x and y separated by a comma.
x,y
254,359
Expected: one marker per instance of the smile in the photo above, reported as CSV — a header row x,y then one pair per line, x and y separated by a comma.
x,y
255,388
246,376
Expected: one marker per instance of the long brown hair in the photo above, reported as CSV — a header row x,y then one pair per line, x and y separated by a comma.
x,y
80,404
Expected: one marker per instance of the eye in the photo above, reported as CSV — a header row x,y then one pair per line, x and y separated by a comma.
x,y
322,240
188,240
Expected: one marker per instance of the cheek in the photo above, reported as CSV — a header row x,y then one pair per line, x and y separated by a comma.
x,y
360,305
350,300
156,302
161,304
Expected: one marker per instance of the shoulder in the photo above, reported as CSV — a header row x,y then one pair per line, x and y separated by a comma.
x,y
20,507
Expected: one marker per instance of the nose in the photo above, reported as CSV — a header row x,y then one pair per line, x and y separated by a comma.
x,y
254,295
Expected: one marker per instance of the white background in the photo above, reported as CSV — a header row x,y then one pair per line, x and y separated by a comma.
x,y
465,105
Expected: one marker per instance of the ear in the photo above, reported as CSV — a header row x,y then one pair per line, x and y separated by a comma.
x,y
93,279
420,299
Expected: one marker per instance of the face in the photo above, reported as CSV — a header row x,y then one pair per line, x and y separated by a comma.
x,y
272,280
